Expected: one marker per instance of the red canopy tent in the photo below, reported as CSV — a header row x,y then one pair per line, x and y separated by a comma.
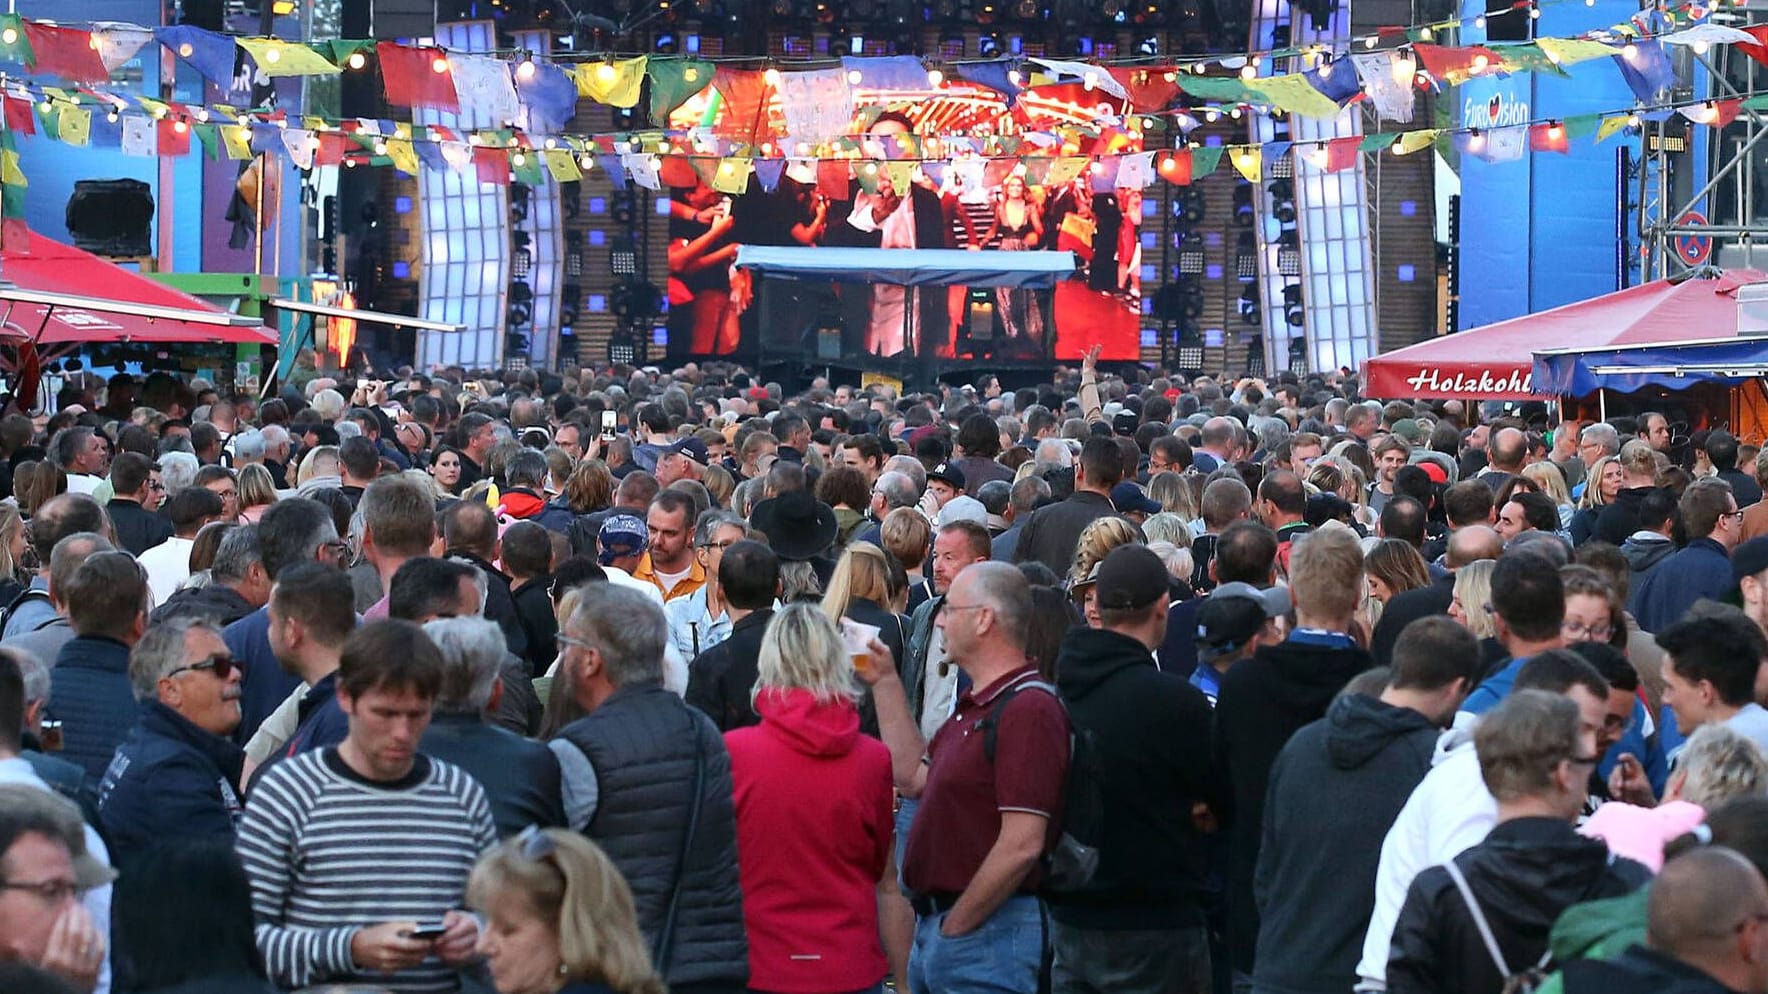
x,y
62,295
1496,362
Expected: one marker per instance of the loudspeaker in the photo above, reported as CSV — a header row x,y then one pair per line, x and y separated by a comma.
x,y
112,216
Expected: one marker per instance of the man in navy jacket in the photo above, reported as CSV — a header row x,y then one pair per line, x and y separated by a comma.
x,y
107,603
177,773
1702,568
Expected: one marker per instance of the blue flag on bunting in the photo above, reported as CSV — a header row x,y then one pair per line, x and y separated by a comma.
x,y
207,52
1649,72
890,72
768,171
549,99
995,74
1337,80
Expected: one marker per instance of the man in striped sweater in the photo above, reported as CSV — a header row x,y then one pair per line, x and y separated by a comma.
x,y
351,850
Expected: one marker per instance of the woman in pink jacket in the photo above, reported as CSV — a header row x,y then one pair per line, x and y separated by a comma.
x,y
813,800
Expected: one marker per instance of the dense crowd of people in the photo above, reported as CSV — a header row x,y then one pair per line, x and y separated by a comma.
x,y
625,680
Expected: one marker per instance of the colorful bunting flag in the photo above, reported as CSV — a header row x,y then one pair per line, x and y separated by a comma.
x,y
674,80
209,53
745,94
1150,88
174,137
1205,161
484,88
1389,87
1610,127
1647,69
19,48
118,42
74,125
615,83
19,115
65,52
1248,161
1571,51
1293,93
13,185
416,76
276,58
548,99
492,165
817,104
1549,137
238,141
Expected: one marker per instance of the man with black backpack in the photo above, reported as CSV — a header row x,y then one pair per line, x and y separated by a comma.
x,y
1138,925
990,802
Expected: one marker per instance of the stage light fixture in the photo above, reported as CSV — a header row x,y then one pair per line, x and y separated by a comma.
x,y
1293,314
569,295
1148,46
1298,355
1248,305
1245,258
1243,212
988,45
1255,355
1027,10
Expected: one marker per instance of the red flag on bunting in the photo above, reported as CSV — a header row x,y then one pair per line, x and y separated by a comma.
x,y
1175,167
1549,137
745,93
411,77
174,137
1149,88
66,52
1757,50
20,116
832,178
1341,154
492,165
331,149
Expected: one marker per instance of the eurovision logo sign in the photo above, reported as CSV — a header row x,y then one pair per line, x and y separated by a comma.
x,y
1433,381
1501,110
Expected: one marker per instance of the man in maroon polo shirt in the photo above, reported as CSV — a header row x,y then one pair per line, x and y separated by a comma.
x,y
971,863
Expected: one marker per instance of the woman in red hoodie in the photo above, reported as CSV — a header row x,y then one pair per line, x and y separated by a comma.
x,y
813,800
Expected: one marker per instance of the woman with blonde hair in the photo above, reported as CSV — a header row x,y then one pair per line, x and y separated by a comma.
x,y
589,488
1391,566
1173,494
1168,527
559,918
859,590
1601,484
13,575
719,484
257,491
1472,597
811,860
1097,541
1549,480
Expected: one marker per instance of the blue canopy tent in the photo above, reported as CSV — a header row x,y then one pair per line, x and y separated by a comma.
x,y
909,268
1670,365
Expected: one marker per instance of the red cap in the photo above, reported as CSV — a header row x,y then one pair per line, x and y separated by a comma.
x,y
1435,471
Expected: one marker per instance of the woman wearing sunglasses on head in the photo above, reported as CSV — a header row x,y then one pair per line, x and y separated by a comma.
x,y
559,919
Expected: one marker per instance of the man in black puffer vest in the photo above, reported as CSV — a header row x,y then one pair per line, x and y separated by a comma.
x,y
630,771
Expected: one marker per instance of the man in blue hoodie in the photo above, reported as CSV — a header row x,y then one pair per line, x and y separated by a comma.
x,y
1336,786
1702,568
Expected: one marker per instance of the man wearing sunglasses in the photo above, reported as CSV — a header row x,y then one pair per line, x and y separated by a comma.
x,y
176,776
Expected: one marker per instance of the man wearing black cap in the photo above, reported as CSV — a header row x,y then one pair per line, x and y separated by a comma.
x,y
1138,925
944,482
1232,623
1749,570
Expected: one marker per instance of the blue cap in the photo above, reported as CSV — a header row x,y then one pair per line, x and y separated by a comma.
x,y
621,535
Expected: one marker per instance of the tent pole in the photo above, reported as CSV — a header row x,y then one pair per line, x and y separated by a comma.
x,y
1602,403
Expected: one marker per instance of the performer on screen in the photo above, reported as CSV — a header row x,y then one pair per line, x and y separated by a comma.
x,y
1020,225
701,250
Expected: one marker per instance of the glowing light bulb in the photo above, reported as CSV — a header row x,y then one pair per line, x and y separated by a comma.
x,y
518,159
180,127
92,42
690,74
357,60
1097,168
1426,34
1172,77
1535,12
551,143
1014,77
202,114
1700,47
186,50
1244,159
1632,120
1235,113
1248,72
772,76
1480,62
935,77
726,168
1404,69
349,163
606,72
1480,22
112,116
1090,80
1630,52
44,106
586,162
1554,131
525,70
1212,115
1475,142
273,55
439,64
1709,113
853,77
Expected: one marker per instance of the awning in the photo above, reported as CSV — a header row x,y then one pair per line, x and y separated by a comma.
x,y
60,294
908,267
1672,366
1497,362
